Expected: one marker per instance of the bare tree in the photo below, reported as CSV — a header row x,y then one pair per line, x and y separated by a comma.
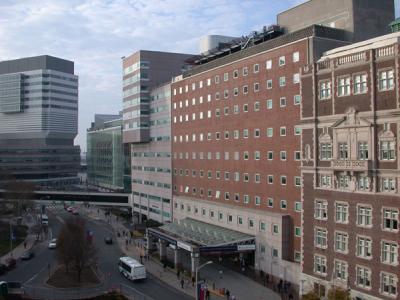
x,y
19,192
74,248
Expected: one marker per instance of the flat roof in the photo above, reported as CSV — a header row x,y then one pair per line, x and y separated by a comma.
x,y
131,261
205,234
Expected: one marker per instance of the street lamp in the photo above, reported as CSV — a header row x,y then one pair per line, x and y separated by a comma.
x,y
197,271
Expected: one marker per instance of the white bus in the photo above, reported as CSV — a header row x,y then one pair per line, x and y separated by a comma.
x,y
131,268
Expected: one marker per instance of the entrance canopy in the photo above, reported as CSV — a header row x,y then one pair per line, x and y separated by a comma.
x,y
191,233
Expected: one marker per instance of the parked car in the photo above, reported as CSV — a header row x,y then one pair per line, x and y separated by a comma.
x,y
3,269
27,255
11,263
53,244
70,209
108,240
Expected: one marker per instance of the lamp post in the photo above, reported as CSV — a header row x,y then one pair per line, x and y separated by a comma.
x,y
197,271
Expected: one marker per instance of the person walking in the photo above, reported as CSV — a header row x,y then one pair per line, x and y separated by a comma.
x,y
178,273
193,280
182,283
24,244
227,294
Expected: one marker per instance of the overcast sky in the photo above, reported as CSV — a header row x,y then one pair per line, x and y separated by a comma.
x,y
95,34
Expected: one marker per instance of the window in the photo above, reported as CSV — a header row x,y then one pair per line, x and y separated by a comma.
x,y
341,242
296,78
296,99
283,180
387,184
270,202
344,86
386,80
320,264
251,223
360,84
275,252
326,151
387,150
269,84
325,181
245,89
343,181
282,131
246,199
297,155
390,220
283,204
282,81
235,73
226,176
226,76
297,231
227,196
256,106
343,151
235,91
270,179
297,206
341,212
269,104
362,150
263,226
364,247
236,176
256,87
282,102
240,220
245,133
321,209
297,180
270,155
275,228
324,90
297,256
296,56
364,215
237,197
246,177
256,68
320,237
217,96
236,109
257,200
388,284
245,71
341,270
268,64
245,107
226,94
363,183
270,132
283,155
230,218
389,253
281,61
363,279
257,155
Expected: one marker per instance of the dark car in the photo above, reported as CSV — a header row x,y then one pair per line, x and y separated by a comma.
x,y
27,255
11,263
108,240
3,269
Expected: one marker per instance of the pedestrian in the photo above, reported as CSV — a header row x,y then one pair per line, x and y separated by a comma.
x,y
178,273
227,294
182,283
267,277
141,259
193,280
164,266
25,245
207,294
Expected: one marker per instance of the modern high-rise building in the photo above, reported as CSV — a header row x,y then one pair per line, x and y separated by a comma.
x,y
108,159
147,127
151,162
350,115
39,120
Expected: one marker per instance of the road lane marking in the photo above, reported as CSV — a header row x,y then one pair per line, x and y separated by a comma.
x,y
137,291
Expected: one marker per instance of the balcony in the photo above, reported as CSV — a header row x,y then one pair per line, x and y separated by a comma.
x,y
351,165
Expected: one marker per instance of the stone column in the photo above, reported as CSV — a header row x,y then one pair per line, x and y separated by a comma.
x,y
163,250
177,258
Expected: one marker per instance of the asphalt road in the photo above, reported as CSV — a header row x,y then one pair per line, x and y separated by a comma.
x,y
33,273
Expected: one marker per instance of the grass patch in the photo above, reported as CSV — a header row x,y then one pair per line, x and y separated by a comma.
x,y
20,232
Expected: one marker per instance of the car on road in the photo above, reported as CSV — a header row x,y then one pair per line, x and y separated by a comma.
x,y
27,255
11,263
108,240
70,209
75,212
53,244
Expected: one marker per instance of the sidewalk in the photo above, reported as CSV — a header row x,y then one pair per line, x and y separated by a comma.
x,y
17,252
238,284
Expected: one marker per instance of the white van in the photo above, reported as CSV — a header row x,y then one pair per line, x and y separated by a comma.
x,y
131,268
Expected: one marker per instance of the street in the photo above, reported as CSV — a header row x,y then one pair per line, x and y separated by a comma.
x,y
33,273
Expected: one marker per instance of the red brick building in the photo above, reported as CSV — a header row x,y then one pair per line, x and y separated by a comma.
x,y
350,115
236,144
